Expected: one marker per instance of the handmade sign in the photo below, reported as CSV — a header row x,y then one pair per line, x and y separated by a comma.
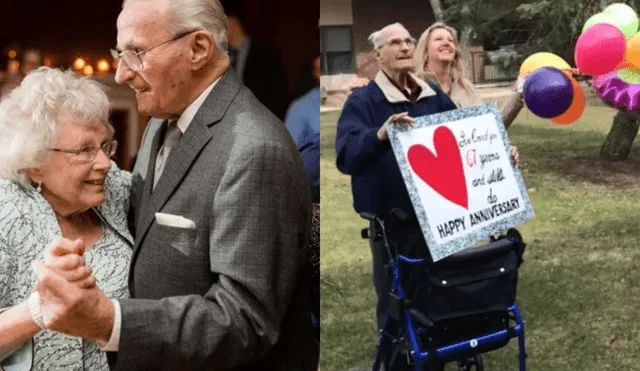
x,y
458,171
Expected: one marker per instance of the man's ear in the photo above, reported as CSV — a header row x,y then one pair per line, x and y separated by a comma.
x,y
378,55
202,47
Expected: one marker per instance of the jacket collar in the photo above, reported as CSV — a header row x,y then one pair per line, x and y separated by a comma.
x,y
393,95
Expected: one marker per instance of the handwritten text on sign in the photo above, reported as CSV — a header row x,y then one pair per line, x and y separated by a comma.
x,y
460,177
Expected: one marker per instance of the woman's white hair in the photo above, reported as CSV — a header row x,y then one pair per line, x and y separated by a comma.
x,y
206,15
31,114
376,38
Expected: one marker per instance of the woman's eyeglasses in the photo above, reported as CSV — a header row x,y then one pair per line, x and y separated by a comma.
x,y
89,153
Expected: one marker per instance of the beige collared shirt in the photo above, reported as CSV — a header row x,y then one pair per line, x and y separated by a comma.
x,y
394,95
188,114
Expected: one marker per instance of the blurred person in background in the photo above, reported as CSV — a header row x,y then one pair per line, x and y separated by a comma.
x,y
31,60
258,64
303,123
303,117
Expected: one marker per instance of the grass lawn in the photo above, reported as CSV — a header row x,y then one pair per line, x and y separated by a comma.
x,y
579,285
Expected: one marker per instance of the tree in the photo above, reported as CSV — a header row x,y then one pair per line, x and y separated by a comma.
x,y
436,6
617,145
514,30
511,31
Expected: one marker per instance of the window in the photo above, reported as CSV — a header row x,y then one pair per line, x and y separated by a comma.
x,y
336,48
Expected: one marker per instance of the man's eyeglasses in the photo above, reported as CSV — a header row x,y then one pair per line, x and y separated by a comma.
x,y
397,43
132,57
89,153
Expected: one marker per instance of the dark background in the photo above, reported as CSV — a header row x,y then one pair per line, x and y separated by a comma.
x,y
67,29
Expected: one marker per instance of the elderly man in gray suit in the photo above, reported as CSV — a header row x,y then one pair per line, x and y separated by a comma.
x,y
221,213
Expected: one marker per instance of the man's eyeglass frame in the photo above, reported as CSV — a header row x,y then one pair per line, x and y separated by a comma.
x,y
137,64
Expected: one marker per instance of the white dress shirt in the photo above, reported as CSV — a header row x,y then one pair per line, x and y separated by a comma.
x,y
183,123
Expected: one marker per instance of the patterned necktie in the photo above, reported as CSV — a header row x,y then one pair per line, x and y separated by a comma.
x,y
171,138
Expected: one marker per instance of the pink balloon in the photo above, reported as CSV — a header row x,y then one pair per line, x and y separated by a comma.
x,y
600,49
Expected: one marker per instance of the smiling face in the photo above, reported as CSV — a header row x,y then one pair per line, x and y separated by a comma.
x,y
441,46
160,85
68,184
396,52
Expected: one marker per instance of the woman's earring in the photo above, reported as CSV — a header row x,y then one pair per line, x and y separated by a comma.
x,y
39,189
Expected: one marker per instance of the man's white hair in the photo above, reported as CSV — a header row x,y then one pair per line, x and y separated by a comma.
x,y
376,38
206,15
31,114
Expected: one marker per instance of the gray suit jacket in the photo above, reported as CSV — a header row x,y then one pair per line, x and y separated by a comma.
x,y
231,294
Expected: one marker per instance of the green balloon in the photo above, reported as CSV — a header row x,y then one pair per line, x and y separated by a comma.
x,y
628,75
601,18
625,16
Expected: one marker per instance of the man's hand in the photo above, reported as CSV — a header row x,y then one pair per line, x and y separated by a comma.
x,y
64,256
397,119
515,156
73,310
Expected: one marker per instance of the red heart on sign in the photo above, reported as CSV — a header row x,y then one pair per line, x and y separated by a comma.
x,y
443,172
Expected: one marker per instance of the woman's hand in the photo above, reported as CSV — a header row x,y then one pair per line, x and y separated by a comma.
x,y
66,258
515,156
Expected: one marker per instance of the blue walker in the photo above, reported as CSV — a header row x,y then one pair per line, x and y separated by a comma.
x,y
463,305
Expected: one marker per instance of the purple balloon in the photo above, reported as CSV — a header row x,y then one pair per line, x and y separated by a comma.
x,y
548,92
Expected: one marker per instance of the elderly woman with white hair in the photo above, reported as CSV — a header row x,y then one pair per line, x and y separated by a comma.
x,y
57,179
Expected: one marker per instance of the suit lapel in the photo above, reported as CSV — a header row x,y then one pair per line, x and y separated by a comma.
x,y
176,168
184,154
148,184
143,206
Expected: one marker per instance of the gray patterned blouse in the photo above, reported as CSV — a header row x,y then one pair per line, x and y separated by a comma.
x,y
27,226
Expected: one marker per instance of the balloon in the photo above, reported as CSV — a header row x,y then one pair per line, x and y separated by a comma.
x,y
548,92
629,75
620,88
600,49
626,18
576,108
543,59
624,64
633,50
601,18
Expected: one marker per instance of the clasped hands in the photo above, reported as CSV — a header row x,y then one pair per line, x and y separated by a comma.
x,y
71,302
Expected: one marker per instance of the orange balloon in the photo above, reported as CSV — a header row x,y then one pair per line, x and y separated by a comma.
x,y
624,64
633,50
576,109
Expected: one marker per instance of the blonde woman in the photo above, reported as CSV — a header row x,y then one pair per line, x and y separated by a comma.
x,y
438,58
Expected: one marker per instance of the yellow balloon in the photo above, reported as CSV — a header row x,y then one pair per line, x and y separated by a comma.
x,y
633,50
543,59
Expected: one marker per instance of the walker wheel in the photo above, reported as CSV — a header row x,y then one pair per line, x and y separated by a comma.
x,y
471,364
